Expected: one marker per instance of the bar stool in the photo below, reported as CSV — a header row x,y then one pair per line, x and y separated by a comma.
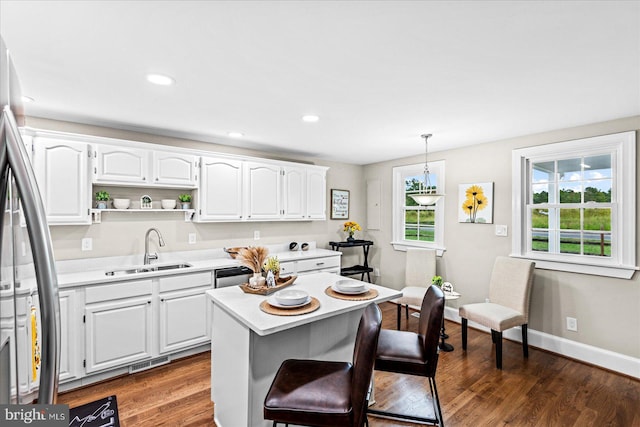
x,y
327,394
409,353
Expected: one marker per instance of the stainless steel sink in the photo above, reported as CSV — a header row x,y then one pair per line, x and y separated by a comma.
x,y
147,269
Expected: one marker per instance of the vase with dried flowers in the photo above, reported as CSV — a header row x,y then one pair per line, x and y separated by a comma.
x,y
253,258
351,227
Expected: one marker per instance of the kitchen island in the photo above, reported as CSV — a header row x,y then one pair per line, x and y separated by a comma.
x,y
248,345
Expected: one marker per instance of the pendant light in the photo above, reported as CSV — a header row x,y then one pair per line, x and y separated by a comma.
x,y
427,195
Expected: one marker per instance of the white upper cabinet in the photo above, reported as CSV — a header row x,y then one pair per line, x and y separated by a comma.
x,y
174,169
262,191
236,190
316,193
227,187
62,172
120,165
117,165
220,192
294,181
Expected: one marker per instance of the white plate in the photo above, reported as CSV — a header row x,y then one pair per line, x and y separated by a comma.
x,y
347,285
291,297
272,301
358,292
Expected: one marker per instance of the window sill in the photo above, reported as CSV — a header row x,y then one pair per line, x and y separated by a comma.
x,y
402,246
618,272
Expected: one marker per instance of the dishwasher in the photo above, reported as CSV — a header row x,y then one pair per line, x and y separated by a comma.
x,y
231,276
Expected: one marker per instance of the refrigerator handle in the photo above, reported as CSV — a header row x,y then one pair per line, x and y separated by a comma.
x,y
43,259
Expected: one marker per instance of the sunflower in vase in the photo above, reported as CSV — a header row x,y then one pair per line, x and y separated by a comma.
x,y
351,227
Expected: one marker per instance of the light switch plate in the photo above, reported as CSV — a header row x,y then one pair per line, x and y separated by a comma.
x,y
256,235
192,238
501,230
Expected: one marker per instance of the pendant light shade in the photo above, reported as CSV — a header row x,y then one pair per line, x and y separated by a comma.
x,y
428,195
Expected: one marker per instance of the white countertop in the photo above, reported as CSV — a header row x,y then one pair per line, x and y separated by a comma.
x,y
246,307
91,271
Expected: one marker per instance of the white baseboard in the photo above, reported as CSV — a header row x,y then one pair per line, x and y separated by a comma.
x,y
607,359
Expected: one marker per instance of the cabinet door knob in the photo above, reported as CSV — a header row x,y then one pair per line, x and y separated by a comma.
x,y
144,178
157,179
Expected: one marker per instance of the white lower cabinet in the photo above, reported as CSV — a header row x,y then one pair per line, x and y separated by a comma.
x,y
133,321
118,324
183,319
118,333
185,316
70,356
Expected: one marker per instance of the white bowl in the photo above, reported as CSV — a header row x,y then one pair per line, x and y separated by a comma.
x,y
349,285
291,297
121,203
168,204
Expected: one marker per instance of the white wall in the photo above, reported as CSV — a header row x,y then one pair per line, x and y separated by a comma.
x,y
608,310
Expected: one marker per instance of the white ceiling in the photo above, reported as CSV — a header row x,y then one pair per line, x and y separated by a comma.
x,y
378,73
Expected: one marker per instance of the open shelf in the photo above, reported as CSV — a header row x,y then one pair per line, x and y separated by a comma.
x,y
96,214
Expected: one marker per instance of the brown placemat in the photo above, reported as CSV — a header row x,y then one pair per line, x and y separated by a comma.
x,y
370,294
268,308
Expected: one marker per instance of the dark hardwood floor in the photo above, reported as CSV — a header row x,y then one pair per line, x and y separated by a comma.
x,y
545,390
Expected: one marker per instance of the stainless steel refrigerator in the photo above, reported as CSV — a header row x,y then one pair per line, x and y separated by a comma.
x,y
29,315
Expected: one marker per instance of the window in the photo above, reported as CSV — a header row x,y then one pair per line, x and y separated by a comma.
x,y
415,225
574,205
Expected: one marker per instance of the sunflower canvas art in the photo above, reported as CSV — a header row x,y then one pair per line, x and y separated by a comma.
x,y
476,203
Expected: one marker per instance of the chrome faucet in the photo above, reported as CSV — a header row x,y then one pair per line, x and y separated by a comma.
x,y
147,256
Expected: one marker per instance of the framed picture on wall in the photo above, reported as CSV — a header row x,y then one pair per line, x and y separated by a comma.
x,y
476,203
339,204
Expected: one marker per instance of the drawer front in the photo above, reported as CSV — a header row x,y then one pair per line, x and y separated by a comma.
x,y
117,291
185,281
287,268
318,263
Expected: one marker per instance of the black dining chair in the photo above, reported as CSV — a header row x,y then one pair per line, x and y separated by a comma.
x,y
325,393
413,353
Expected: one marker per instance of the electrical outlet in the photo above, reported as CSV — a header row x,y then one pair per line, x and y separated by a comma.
x,y
572,324
192,238
256,235
87,244
376,271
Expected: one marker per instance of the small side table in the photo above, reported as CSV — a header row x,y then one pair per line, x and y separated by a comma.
x,y
356,269
444,346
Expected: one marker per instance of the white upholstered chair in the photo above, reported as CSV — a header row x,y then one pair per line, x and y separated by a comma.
x,y
420,268
508,306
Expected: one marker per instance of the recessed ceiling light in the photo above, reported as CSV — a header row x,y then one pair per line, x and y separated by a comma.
x,y
235,134
160,79
27,98
310,118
